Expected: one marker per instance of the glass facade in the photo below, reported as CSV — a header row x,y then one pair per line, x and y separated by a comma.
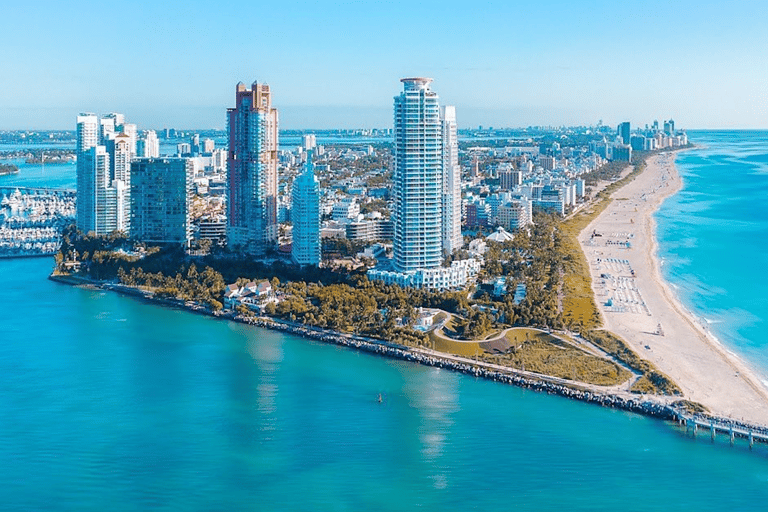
x,y
252,170
306,217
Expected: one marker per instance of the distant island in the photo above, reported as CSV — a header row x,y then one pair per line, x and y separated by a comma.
x,y
39,156
6,169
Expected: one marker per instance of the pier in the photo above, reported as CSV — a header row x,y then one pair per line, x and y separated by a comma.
x,y
724,426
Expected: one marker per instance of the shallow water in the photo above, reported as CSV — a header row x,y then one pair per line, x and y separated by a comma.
x,y
713,236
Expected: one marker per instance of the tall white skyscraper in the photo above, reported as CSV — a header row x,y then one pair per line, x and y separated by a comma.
x,y
427,194
87,138
418,178
451,234
104,154
148,145
121,157
131,131
114,120
87,132
106,130
105,196
306,216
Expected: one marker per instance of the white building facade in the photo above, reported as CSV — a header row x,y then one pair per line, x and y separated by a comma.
x,y
418,174
87,138
427,193
451,233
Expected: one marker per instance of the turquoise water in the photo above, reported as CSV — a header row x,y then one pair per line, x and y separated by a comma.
x,y
713,238
108,401
111,403
61,176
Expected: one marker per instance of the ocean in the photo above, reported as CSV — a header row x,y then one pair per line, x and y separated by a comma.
x,y
111,403
713,235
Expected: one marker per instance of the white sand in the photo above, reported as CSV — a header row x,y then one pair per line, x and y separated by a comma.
x,y
695,360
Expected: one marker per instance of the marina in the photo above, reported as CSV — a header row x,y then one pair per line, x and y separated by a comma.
x,y
32,220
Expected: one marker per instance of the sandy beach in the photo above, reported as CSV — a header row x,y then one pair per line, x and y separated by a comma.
x,y
637,304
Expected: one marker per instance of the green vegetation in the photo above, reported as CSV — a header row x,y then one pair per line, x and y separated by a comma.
x,y
537,351
543,353
8,169
690,407
459,348
652,380
375,205
342,247
547,259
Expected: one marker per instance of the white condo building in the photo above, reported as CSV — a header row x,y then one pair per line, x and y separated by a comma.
x,y
427,193
103,203
306,217
148,145
418,176
104,154
452,238
87,138
120,153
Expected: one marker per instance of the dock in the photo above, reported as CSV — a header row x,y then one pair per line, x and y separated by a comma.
x,y
721,426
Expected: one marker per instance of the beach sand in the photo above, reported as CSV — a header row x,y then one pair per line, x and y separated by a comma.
x,y
625,269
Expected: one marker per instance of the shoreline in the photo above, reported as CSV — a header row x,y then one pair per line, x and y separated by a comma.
x,y
652,406
634,299
665,408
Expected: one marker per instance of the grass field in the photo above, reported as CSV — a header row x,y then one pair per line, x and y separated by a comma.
x,y
537,351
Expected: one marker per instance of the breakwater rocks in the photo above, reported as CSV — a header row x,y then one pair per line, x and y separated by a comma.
x,y
393,350
507,377
658,409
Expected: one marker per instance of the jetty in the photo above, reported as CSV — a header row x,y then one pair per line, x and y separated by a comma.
x,y
714,425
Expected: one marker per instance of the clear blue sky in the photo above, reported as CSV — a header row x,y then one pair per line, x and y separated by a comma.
x,y
338,63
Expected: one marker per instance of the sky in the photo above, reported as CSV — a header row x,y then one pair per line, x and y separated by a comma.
x,y
337,64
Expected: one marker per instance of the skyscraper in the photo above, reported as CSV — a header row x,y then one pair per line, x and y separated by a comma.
x,y
161,195
104,153
427,197
623,132
306,216
148,145
104,220
107,129
252,170
120,159
87,138
451,235
418,178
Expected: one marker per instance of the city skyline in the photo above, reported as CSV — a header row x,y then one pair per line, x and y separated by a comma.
x,y
503,65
